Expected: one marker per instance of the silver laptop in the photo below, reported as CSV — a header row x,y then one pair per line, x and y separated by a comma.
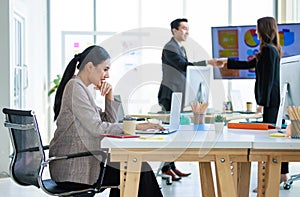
x,y
121,113
174,117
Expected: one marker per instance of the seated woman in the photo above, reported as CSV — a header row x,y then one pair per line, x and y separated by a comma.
x,y
80,123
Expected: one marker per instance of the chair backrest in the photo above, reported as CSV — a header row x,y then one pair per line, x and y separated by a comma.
x,y
28,150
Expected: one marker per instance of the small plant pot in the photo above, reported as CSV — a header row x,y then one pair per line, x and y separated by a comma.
x,y
219,127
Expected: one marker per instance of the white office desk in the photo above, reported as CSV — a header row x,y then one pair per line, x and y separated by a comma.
x,y
270,152
188,144
208,117
234,117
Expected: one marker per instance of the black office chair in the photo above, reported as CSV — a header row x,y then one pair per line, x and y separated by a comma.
x,y
28,160
294,177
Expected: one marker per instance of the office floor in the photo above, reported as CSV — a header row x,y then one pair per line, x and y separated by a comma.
x,y
187,187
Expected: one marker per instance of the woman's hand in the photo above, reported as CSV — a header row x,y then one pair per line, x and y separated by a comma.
x,y
105,89
148,125
220,63
260,109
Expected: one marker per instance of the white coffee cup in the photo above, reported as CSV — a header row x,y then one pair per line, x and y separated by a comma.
x,y
129,125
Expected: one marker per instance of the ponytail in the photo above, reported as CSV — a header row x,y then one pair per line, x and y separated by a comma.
x,y
94,54
68,74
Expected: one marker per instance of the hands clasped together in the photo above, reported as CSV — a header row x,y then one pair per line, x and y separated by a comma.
x,y
218,62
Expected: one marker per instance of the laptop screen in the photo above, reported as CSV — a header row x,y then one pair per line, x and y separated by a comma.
x,y
174,121
121,113
175,110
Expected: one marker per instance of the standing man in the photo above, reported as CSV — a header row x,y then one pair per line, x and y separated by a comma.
x,y
174,65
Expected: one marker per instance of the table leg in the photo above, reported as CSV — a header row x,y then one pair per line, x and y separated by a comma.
x,y
123,166
243,178
261,174
226,182
273,176
133,170
206,179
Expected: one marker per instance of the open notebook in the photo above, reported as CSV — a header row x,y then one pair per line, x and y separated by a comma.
x,y
174,117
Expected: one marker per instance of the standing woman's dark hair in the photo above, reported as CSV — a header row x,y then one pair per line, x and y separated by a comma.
x,y
268,32
94,54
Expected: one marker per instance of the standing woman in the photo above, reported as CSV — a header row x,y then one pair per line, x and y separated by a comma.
x,y
80,122
267,68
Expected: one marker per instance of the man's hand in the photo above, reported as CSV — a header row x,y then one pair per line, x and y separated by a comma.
x,y
217,62
259,109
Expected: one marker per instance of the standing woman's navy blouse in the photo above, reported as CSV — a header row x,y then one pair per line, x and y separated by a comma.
x,y
267,68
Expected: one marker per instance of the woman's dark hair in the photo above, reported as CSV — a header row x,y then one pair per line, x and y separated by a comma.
x,y
94,54
268,32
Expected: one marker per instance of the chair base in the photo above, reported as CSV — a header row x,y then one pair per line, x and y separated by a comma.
x,y
52,188
166,177
287,185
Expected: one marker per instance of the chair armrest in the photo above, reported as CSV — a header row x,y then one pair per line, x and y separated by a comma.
x,y
46,147
33,149
103,153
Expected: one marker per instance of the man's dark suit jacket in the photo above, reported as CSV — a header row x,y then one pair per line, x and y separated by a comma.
x,y
267,68
174,65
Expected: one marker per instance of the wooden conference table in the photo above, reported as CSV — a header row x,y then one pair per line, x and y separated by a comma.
x,y
270,152
232,151
188,144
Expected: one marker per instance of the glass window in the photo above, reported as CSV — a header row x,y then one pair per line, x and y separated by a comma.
x,y
158,13
114,16
247,12
71,16
298,10
202,16
117,15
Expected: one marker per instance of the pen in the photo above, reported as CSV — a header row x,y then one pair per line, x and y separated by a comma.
x,y
151,138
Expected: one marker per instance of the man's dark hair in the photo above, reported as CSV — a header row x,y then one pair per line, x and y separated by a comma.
x,y
175,23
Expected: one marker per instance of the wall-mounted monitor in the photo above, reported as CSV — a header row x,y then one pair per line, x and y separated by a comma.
x,y
241,43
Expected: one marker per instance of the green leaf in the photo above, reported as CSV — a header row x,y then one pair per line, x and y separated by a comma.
x,y
219,118
56,82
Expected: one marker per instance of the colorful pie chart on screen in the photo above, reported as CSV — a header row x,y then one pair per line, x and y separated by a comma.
x,y
286,37
250,38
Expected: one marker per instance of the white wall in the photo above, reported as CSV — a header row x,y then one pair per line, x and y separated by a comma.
x,y
4,81
35,59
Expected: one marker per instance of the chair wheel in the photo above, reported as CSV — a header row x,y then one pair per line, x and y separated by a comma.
x,y
286,186
169,181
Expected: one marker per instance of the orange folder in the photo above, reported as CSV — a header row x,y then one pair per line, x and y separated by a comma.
x,y
254,126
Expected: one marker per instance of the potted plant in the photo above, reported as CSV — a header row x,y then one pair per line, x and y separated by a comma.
x,y
219,123
56,82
